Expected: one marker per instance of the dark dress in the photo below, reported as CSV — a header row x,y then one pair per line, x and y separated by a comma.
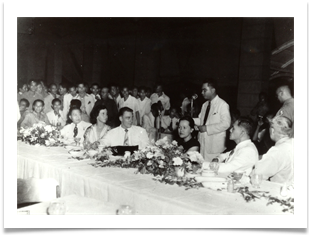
x,y
189,144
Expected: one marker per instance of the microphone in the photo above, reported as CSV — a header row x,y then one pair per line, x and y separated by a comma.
x,y
194,96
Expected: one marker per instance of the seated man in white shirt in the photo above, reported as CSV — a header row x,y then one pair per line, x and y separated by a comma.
x,y
245,155
95,89
126,134
56,116
278,163
74,132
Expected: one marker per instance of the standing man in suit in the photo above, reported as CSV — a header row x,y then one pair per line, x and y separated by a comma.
x,y
213,121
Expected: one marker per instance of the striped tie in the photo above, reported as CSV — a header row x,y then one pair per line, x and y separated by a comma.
x,y
126,138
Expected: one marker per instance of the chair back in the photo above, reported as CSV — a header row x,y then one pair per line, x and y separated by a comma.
x,y
37,190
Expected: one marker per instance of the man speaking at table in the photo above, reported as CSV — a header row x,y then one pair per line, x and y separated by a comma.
x,y
126,134
214,119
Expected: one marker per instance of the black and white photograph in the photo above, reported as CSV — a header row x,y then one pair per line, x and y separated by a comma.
x,y
156,114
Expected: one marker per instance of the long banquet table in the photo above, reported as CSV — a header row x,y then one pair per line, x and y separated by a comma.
x,y
123,187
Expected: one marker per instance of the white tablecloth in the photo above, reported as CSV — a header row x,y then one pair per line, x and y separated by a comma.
x,y
76,205
122,186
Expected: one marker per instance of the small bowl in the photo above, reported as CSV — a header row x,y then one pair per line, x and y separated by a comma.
x,y
76,153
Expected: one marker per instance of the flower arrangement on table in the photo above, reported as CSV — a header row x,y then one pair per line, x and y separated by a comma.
x,y
163,160
40,134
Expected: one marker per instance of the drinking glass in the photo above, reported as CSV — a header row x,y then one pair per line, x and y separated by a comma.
x,y
125,210
56,208
256,180
214,166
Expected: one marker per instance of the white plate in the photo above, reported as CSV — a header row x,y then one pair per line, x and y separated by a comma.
x,y
210,179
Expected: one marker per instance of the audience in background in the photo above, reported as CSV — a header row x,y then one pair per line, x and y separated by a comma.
x,y
23,109
113,117
115,94
261,108
278,163
132,103
87,101
144,103
23,88
72,94
151,122
31,95
95,89
135,92
184,95
148,92
41,90
51,96
160,96
62,90
169,122
284,95
36,115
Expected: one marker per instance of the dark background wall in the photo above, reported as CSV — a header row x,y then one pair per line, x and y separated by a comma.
x,y
178,52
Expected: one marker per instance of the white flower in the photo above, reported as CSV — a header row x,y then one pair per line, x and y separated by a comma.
x,y
174,143
161,164
127,154
195,156
149,155
162,141
149,163
52,141
47,143
177,161
48,128
42,135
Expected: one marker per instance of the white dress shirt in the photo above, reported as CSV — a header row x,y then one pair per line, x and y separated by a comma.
x,y
213,140
132,103
243,158
87,103
165,100
66,105
144,107
278,162
67,131
137,136
54,119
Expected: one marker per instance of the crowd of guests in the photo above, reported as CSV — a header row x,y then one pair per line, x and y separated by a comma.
x,y
97,115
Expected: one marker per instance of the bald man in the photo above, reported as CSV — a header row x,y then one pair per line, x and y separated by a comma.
x,y
284,95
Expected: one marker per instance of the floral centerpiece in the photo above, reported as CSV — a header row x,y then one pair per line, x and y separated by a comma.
x,y
159,159
40,134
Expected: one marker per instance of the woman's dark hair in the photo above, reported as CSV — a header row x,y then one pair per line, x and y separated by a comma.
x,y
36,101
70,112
189,119
95,112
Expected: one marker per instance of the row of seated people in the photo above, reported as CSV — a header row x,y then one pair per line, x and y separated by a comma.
x,y
276,165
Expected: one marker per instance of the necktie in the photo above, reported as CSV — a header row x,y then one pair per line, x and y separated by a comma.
x,y
126,138
207,112
75,131
230,154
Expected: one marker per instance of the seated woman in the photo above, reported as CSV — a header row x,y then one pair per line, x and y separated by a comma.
x,y
36,115
99,129
74,131
185,129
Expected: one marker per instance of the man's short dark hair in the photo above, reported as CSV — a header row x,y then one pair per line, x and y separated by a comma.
x,y
26,101
248,125
125,109
211,83
33,80
83,83
95,84
56,100
63,85
52,84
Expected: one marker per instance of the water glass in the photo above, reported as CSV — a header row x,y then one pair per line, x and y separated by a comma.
x,y
256,180
214,166
125,210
